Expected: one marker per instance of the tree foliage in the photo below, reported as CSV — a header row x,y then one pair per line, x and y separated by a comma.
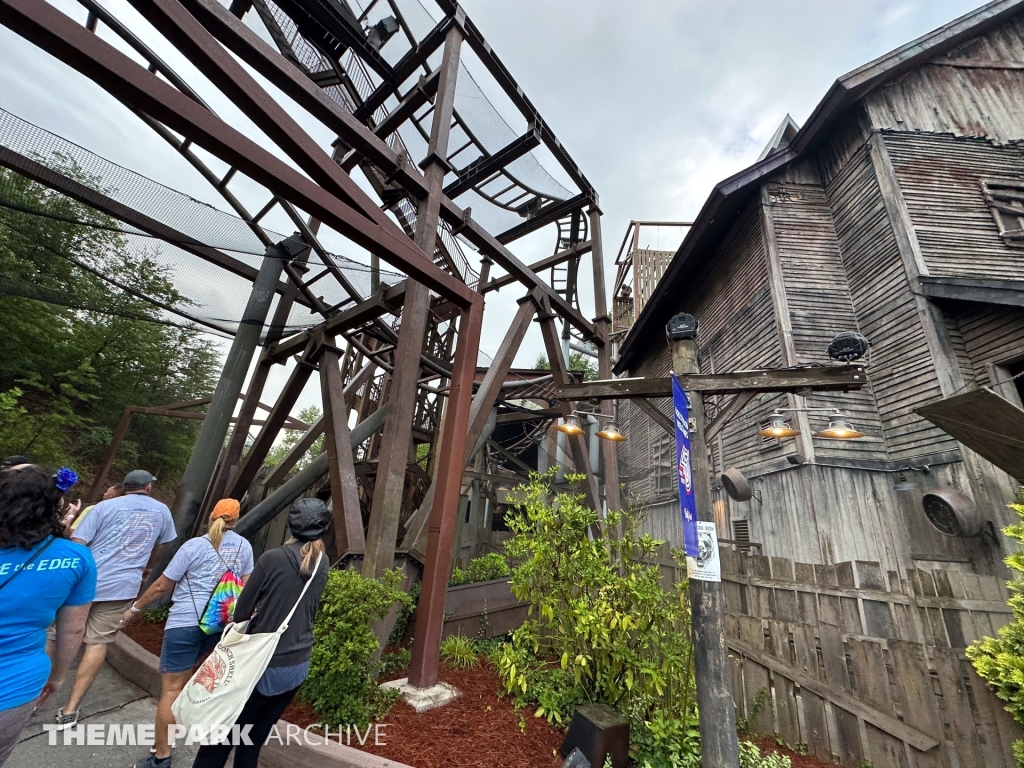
x,y
577,362
1000,660
290,437
75,349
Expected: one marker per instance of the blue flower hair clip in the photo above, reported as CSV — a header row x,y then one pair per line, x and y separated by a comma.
x,y
65,478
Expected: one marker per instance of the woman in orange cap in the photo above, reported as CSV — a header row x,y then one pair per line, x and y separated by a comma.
x,y
206,574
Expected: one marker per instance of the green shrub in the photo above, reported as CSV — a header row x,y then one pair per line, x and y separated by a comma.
x,y
341,687
157,615
485,568
1000,660
751,757
458,652
604,629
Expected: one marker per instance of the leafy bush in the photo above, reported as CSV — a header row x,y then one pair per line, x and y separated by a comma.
x,y
341,686
485,568
751,757
604,629
458,652
157,615
1000,660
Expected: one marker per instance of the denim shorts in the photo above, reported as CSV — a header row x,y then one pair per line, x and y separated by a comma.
x,y
183,647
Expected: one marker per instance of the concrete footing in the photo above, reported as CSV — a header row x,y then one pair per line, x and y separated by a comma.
x,y
423,699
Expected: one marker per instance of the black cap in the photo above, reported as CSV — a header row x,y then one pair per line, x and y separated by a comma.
x,y
137,479
13,461
308,519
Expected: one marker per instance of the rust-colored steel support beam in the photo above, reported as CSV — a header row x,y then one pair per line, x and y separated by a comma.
x,y
244,43
62,37
385,512
426,647
120,432
560,374
602,321
348,520
483,401
253,459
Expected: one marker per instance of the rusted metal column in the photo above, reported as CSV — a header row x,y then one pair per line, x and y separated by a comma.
x,y
602,321
712,668
441,530
120,432
385,512
348,520
483,401
560,373
201,463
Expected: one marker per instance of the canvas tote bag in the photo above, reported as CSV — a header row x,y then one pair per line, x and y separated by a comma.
x,y
217,692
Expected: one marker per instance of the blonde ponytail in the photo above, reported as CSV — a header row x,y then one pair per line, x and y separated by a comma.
x,y
216,531
310,551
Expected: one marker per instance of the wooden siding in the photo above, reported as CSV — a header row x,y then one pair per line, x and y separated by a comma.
x,y
902,372
992,336
819,304
976,90
940,177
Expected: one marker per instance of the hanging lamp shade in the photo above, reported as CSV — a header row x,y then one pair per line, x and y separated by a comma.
x,y
571,426
611,432
838,429
777,427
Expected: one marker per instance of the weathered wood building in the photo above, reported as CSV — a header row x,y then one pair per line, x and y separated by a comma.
x,y
892,212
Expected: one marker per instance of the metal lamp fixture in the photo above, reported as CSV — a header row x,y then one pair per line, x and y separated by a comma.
x,y
838,429
570,426
611,432
777,427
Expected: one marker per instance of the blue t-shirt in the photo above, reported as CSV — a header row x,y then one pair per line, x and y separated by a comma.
x,y
64,574
121,533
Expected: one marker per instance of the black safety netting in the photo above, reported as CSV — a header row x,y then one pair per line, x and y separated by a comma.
x,y
499,203
203,293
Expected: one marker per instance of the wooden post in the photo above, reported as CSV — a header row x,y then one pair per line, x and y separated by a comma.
x,y
120,432
602,321
719,747
386,510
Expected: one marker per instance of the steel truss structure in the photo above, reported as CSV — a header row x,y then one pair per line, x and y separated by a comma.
x,y
387,90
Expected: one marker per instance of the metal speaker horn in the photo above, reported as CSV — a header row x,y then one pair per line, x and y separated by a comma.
x,y
736,485
953,513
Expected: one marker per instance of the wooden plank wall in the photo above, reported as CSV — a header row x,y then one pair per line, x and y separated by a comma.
x,y
903,373
961,93
859,664
940,176
820,306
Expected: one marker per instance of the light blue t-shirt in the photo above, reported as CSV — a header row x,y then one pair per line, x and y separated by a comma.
x,y
63,574
121,534
197,567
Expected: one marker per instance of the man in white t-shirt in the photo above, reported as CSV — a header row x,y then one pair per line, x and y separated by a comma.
x,y
126,536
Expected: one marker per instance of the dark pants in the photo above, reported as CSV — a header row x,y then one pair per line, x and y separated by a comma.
x,y
261,712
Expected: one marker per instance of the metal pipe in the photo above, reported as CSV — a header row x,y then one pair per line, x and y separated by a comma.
x,y
203,460
581,349
294,487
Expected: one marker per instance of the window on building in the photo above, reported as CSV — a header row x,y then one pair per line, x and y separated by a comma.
x,y
663,469
1005,198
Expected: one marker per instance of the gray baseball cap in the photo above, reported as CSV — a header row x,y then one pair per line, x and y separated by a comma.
x,y
138,478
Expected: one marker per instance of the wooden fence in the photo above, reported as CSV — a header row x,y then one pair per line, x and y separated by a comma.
x,y
863,667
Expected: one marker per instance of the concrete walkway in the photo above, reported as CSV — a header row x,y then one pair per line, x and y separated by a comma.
x,y
111,700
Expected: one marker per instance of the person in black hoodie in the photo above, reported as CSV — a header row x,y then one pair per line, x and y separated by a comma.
x,y
270,593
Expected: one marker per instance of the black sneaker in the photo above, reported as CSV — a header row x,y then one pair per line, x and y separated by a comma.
x,y
152,761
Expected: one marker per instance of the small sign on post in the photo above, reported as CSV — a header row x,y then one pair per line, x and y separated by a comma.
x,y
706,566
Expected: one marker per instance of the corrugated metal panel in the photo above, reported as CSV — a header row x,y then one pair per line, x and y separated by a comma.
x,y
940,177
977,90
902,372
820,306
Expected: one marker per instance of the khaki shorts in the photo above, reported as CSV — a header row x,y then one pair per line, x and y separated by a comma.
x,y
105,621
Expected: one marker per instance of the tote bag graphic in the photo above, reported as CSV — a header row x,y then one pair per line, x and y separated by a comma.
x,y
217,692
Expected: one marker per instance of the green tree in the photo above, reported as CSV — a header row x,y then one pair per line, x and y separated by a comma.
x,y
78,347
291,436
1000,660
577,362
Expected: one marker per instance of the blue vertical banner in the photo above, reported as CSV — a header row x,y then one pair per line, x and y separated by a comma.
x,y
687,502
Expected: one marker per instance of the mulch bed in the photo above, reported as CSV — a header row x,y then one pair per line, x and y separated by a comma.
x,y
478,729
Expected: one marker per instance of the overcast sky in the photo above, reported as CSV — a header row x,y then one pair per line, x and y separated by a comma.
x,y
656,100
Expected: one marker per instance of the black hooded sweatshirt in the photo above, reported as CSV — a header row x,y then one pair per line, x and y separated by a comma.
x,y
270,593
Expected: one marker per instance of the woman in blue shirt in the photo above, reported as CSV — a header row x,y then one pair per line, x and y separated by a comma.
x,y
43,577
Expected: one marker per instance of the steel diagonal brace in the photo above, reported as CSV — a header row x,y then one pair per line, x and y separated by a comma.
x,y
58,34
